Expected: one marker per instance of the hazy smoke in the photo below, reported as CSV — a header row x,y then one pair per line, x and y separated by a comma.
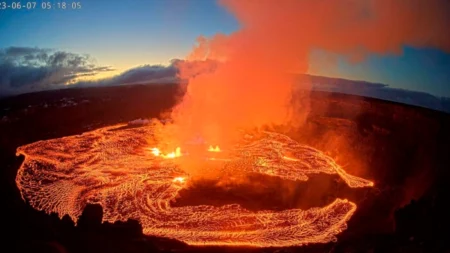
x,y
250,87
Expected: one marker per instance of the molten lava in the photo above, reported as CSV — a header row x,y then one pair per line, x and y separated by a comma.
x,y
214,149
171,155
179,180
112,167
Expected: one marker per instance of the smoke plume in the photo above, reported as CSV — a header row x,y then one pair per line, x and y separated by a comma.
x,y
251,86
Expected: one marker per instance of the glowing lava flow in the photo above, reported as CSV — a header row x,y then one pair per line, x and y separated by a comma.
x,y
214,149
112,167
157,152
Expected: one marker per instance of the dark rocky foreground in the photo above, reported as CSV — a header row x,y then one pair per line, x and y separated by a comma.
x,y
404,149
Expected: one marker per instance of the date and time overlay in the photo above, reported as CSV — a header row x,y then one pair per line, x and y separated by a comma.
x,y
40,5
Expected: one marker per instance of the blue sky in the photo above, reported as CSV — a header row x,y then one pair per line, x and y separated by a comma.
x,y
418,69
118,33
126,34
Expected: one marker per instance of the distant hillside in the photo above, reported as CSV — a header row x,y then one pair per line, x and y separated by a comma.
x,y
339,85
376,90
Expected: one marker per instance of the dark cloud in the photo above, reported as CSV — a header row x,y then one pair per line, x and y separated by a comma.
x,y
148,74
139,75
25,69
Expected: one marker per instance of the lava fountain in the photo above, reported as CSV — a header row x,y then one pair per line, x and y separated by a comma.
x,y
114,167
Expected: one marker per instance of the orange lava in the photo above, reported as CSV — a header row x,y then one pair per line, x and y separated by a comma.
x,y
214,149
171,155
114,168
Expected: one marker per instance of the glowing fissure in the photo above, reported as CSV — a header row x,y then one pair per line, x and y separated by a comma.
x,y
214,149
171,155
116,170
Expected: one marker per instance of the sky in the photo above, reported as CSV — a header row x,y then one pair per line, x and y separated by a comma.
x,y
122,34
126,34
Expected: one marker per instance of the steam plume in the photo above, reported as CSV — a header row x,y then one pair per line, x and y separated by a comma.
x,y
251,86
